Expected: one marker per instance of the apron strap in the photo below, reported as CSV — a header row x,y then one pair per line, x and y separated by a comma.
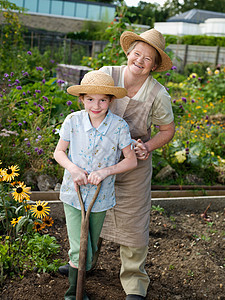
x,y
116,74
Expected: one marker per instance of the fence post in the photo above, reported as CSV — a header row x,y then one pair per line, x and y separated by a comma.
x,y
32,40
185,55
217,55
64,50
70,52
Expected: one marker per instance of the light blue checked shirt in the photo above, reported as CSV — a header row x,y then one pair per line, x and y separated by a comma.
x,y
93,149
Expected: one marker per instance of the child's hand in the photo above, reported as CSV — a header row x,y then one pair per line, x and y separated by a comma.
x,y
79,177
96,177
141,150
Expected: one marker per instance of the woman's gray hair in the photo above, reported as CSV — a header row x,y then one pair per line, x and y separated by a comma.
x,y
157,57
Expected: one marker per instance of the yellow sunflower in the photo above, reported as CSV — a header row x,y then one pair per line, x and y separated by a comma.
x,y
14,183
1,174
48,221
21,192
27,207
40,210
38,226
10,173
15,221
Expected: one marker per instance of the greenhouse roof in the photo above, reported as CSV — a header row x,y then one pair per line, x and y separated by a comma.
x,y
196,16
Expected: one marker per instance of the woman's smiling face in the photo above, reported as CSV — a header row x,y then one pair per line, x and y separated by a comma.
x,y
141,60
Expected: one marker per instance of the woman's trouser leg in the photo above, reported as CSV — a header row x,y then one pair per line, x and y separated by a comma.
x,y
133,276
73,223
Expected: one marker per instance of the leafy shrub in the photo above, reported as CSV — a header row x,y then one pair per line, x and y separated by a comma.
x,y
200,40
32,109
21,222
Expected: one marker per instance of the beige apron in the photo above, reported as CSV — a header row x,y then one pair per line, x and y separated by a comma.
x,y
128,222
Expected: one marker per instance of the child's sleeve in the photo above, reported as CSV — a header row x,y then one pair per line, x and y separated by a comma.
x,y
65,130
125,137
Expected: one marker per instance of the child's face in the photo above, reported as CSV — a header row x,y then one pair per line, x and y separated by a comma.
x,y
96,106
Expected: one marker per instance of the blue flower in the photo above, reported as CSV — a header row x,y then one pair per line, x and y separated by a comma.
x,y
69,103
19,87
29,52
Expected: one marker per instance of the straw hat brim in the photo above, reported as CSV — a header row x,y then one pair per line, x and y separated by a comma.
x,y
128,37
76,90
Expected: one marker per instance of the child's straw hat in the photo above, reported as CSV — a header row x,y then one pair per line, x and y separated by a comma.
x,y
152,37
97,82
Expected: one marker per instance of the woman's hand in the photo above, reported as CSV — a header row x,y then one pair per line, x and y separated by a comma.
x,y
141,150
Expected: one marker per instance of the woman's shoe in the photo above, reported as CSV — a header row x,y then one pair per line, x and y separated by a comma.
x,y
135,297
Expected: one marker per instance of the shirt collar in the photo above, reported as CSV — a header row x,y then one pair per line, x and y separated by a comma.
x,y
103,127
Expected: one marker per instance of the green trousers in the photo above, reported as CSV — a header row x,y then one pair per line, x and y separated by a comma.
x,y
73,223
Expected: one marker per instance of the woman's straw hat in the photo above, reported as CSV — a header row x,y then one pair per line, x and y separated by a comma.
x,y
97,82
152,37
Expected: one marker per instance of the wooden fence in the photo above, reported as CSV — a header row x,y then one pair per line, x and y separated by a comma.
x,y
183,54
187,54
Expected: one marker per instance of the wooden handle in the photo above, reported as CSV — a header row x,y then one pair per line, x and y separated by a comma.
x,y
84,242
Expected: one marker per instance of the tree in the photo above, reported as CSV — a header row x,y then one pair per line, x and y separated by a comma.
x,y
178,6
147,13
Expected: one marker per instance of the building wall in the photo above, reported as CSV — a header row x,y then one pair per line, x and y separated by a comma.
x,y
177,28
214,27
52,23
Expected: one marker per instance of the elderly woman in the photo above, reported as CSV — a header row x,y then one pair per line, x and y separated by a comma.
x,y
146,103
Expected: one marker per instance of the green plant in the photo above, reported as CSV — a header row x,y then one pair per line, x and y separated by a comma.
x,y
190,273
33,106
20,247
158,208
198,146
112,53
205,238
171,267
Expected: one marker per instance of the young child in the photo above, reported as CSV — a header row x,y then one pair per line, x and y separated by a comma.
x,y
95,138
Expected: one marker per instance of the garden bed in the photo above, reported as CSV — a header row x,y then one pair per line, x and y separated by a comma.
x,y
185,261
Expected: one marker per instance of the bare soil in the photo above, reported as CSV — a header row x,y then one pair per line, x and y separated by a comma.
x,y
186,260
